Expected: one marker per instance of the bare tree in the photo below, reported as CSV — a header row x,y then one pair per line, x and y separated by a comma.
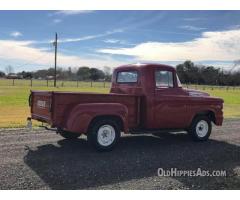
x,y
9,69
236,63
107,70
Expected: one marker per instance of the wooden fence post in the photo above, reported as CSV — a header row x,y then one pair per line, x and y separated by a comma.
x,y
91,83
47,82
13,82
31,82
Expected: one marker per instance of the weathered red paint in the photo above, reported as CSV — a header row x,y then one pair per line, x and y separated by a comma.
x,y
82,114
140,105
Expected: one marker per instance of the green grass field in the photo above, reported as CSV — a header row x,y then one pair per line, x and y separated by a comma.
x,y
14,99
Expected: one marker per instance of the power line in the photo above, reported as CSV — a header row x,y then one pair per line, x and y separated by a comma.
x,y
32,61
27,63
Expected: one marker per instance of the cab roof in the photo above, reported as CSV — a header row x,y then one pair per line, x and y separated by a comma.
x,y
138,66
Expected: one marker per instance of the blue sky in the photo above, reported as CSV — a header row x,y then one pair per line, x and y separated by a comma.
x,y
112,38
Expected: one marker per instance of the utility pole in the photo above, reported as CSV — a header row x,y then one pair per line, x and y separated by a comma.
x,y
55,63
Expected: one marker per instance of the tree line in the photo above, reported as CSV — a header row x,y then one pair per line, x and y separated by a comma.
x,y
188,72
83,73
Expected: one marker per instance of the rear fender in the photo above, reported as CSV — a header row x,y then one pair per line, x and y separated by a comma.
x,y
81,115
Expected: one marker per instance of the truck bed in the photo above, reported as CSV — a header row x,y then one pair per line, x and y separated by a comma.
x,y
54,107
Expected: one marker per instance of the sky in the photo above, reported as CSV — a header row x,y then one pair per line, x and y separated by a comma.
x,y
113,38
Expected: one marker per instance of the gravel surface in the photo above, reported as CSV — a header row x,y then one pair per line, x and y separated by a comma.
x,y
43,160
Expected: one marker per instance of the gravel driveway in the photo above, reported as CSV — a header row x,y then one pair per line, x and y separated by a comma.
x,y
43,160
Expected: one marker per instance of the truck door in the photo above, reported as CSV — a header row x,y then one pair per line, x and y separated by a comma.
x,y
169,102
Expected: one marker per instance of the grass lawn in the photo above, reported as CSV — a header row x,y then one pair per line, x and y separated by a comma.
x,y
14,101
231,99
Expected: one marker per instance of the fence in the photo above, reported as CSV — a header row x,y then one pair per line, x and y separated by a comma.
x,y
50,83
211,87
104,84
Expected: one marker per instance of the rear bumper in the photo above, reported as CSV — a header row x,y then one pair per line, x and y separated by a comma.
x,y
41,118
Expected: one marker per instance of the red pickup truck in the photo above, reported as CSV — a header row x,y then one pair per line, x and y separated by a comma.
x,y
144,98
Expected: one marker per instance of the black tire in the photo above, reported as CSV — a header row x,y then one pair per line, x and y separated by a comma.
x,y
69,135
200,128
96,131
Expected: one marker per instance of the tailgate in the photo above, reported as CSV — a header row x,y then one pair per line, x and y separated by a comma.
x,y
40,102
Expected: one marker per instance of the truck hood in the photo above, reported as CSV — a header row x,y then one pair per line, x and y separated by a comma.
x,y
196,93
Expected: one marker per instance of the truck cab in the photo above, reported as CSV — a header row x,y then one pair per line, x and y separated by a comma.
x,y
165,103
144,98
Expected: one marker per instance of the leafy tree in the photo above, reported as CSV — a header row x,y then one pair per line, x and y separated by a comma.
x,y
40,73
25,75
83,73
96,74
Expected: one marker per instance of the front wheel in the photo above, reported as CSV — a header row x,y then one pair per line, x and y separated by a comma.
x,y
201,128
103,134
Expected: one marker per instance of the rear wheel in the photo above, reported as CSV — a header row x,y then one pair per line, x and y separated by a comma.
x,y
69,135
103,134
201,128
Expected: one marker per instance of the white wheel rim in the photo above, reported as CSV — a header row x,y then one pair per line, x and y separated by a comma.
x,y
106,135
202,128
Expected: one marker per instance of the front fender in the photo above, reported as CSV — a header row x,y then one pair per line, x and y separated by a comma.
x,y
217,112
81,115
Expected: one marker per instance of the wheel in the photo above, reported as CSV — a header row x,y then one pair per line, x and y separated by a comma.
x,y
103,134
201,128
69,135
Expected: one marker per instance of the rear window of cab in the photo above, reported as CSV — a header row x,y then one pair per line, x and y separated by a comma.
x,y
127,77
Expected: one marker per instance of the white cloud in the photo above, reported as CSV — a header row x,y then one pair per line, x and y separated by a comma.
x,y
192,28
112,41
89,37
221,46
16,34
72,12
23,52
56,21
116,41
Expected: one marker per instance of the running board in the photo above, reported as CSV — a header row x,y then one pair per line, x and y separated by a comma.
x,y
155,131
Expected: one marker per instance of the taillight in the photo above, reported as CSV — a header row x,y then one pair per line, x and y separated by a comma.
x,y
30,99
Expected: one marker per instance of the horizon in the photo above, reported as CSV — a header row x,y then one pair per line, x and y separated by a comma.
x,y
113,38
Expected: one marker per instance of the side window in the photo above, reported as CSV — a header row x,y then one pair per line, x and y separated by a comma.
x,y
163,79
